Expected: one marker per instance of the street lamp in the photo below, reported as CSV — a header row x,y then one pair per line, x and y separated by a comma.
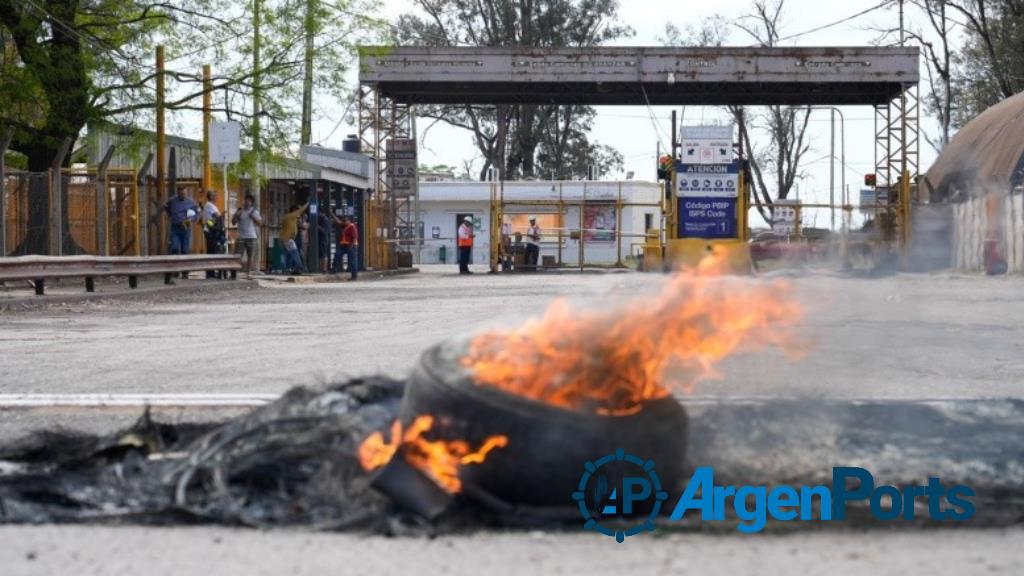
x,y
832,159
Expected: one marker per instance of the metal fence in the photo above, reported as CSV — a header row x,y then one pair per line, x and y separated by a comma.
x,y
81,213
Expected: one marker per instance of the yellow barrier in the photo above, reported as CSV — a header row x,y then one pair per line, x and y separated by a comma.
x,y
688,252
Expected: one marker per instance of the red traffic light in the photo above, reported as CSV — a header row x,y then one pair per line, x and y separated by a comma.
x,y
870,180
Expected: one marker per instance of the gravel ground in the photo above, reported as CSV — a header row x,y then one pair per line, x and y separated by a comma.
x,y
899,337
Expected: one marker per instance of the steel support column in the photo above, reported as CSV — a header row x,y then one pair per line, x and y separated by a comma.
x,y
897,164
382,118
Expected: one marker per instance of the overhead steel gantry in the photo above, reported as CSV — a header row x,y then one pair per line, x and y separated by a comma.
x,y
393,79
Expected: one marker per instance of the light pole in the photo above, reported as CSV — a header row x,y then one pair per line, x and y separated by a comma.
x,y
832,158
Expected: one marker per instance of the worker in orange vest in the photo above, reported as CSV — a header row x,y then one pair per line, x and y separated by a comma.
x,y
465,244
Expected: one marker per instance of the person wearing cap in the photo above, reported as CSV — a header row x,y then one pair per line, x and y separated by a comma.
x,y
465,244
181,210
532,244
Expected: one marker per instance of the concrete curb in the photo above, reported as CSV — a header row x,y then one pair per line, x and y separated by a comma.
x,y
334,278
190,287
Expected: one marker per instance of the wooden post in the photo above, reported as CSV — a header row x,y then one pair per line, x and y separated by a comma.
x,y
142,204
207,105
306,130
5,142
103,205
256,109
161,144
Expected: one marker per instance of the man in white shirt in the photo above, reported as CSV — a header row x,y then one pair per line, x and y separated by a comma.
x,y
532,244
248,220
465,242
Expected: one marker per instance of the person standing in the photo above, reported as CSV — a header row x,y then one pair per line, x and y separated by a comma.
x,y
323,237
247,219
348,245
465,244
289,230
182,211
213,229
532,244
302,239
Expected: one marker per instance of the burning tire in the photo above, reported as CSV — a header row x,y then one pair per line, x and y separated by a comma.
x,y
547,445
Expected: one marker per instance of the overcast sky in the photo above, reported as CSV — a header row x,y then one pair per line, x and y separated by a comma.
x,y
635,130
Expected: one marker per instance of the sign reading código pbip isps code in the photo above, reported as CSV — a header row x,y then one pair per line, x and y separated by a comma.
x,y
707,217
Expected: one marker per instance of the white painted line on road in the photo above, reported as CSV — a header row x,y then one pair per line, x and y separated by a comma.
x,y
101,400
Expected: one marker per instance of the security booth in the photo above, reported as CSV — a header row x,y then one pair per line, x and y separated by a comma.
x,y
583,223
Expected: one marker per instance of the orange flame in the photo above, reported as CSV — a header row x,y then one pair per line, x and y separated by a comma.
x,y
438,459
612,360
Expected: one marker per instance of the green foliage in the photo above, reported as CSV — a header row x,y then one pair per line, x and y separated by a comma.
x,y
339,26
520,140
989,67
66,63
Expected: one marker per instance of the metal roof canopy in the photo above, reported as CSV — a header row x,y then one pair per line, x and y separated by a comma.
x,y
640,75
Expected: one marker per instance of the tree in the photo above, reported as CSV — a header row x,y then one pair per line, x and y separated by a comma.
x,y
334,28
513,137
786,125
564,151
774,167
937,44
990,65
69,63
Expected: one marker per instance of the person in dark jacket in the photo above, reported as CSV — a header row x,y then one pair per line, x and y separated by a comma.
x,y
182,211
212,222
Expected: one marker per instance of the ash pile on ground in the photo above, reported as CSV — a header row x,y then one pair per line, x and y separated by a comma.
x,y
293,462
290,463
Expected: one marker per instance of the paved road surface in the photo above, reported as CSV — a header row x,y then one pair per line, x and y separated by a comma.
x,y
209,551
908,336
904,337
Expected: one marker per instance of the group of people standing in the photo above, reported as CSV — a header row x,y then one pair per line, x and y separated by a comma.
x,y
466,234
182,212
294,227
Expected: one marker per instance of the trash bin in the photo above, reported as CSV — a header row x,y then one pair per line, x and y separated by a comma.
x,y
442,254
276,261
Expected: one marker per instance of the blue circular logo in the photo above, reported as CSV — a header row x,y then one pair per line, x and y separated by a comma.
x,y
612,487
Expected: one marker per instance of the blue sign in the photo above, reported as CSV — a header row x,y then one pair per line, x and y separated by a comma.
x,y
706,217
707,180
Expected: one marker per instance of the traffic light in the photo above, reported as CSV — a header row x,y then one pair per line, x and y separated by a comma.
x,y
666,164
870,180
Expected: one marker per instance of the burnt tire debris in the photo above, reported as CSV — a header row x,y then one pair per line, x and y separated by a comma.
x,y
290,463
293,463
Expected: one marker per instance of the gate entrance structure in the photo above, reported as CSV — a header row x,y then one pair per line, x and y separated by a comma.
x,y
394,79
